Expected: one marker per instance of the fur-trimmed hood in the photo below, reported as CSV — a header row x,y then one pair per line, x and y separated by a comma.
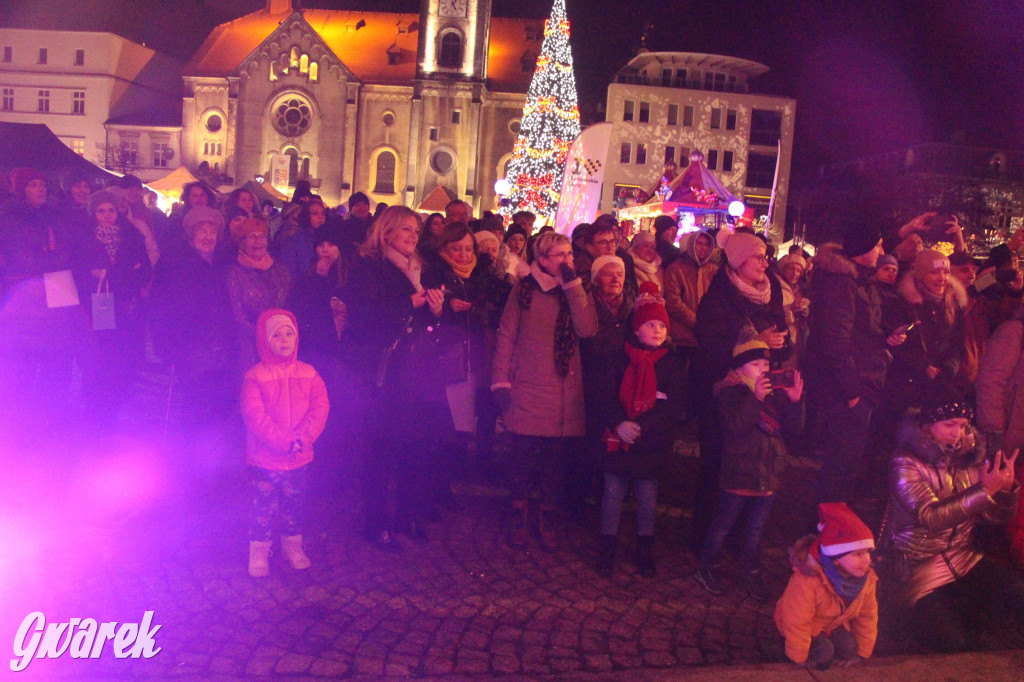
x,y
955,294
829,258
802,559
911,438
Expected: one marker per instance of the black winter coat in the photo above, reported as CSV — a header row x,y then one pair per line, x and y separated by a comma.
x,y
599,353
846,354
723,312
647,456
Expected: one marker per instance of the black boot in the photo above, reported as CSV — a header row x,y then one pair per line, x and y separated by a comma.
x,y
606,555
645,556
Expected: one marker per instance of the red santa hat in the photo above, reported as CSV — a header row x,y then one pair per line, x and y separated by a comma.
x,y
841,531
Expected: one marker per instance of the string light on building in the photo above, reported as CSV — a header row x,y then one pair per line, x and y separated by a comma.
x,y
551,121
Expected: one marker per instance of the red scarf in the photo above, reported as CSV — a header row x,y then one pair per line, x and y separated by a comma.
x,y
639,388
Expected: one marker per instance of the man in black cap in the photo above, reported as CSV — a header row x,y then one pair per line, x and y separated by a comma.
x,y
846,359
357,225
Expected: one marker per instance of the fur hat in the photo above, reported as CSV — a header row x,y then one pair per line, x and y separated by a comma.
x,y
20,177
202,214
859,239
841,531
602,261
739,246
102,196
649,304
942,402
886,259
748,351
250,226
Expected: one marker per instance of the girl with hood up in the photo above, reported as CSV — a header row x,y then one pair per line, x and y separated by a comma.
x,y
686,281
284,406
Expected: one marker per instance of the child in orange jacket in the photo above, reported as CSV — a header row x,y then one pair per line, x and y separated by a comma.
x,y
829,609
284,406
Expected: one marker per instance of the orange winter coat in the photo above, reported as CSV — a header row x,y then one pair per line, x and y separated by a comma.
x,y
283,400
810,606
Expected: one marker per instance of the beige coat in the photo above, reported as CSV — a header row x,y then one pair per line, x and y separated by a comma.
x,y
686,282
543,403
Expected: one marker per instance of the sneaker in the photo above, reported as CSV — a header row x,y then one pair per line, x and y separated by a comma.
x,y
755,586
709,581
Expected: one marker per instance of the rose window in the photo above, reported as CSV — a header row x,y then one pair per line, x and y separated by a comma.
x,y
292,116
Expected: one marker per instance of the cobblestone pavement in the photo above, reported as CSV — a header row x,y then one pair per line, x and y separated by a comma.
x,y
114,527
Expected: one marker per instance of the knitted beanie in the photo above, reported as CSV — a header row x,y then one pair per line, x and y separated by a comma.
x,y
841,531
250,226
20,177
860,239
739,246
886,259
748,351
602,261
649,304
101,197
202,214
942,402
928,261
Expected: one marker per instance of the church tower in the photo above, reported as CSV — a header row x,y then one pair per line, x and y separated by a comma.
x,y
453,39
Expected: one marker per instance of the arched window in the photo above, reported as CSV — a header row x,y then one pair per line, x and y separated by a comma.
x,y
314,72
295,57
304,64
305,168
220,149
385,173
273,71
293,166
206,148
451,51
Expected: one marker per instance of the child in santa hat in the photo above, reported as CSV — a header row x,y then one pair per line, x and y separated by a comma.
x,y
640,426
284,406
829,610
753,414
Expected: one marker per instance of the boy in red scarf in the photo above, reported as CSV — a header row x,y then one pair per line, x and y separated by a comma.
x,y
753,413
641,427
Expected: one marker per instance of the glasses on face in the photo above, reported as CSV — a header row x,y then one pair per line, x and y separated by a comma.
x,y
761,259
559,255
604,242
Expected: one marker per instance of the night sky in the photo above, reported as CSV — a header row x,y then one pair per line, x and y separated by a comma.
x,y
867,76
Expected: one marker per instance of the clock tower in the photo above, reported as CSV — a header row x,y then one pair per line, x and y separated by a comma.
x,y
453,39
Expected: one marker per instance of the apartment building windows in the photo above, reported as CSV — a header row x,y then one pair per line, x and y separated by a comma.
x,y
78,147
130,153
765,127
760,170
670,154
7,54
44,101
673,114
625,152
627,110
730,119
42,56
641,154
78,104
716,119
160,154
712,159
645,112
7,103
79,57
688,116
726,162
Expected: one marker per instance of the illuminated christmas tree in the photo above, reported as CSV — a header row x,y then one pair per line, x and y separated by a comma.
x,y
551,121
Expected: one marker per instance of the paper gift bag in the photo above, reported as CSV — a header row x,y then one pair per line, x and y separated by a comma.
x,y
61,291
103,308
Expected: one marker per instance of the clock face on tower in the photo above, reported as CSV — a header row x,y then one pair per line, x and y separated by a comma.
x,y
452,8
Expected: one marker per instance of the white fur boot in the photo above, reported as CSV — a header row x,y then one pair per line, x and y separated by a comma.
x,y
259,558
292,547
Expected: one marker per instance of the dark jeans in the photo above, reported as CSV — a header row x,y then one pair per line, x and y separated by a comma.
x,y
615,489
844,436
825,648
728,510
948,619
538,460
706,493
277,502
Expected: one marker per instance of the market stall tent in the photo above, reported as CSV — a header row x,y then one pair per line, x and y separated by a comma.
x,y
436,200
33,145
171,184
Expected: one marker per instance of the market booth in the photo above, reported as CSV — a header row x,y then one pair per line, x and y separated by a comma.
x,y
695,199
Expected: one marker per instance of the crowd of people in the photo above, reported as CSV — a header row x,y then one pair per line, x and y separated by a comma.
x,y
409,342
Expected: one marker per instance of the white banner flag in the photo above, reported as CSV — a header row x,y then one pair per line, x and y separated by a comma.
x,y
581,182
279,164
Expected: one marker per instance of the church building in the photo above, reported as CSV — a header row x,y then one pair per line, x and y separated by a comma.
x,y
400,106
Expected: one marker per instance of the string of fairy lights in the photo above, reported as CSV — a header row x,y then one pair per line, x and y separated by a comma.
x,y
550,122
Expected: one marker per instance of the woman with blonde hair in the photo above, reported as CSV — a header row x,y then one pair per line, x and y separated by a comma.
x,y
391,339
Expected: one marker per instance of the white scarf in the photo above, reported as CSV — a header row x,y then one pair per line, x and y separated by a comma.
x,y
409,265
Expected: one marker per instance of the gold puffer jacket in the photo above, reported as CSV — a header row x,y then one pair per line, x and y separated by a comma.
x,y
935,500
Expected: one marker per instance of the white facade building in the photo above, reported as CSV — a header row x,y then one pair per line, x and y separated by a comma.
x,y
665,105
115,102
